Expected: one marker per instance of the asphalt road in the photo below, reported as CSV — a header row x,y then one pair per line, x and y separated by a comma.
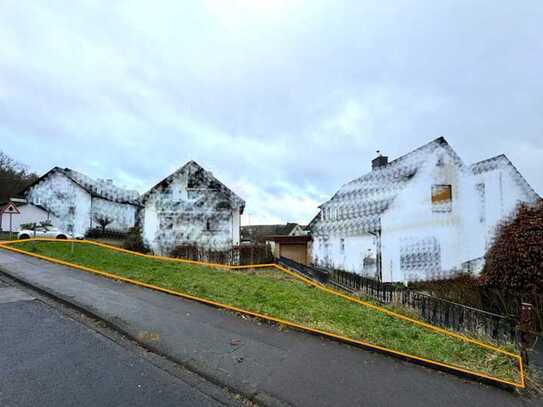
x,y
50,359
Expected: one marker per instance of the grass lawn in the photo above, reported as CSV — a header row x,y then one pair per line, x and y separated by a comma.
x,y
276,294
5,236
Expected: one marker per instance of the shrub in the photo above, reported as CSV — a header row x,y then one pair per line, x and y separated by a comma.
x,y
194,252
134,241
243,255
515,260
97,233
255,254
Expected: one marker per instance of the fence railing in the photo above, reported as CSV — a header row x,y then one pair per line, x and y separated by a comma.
x,y
437,311
312,272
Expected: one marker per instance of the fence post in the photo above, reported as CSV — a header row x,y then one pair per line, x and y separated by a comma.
x,y
527,335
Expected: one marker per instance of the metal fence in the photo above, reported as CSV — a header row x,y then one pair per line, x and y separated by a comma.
x,y
314,273
437,311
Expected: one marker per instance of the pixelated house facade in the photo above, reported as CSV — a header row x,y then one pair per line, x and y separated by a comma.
x,y
424,216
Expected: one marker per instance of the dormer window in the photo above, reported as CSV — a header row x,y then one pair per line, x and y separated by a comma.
x,y
441,198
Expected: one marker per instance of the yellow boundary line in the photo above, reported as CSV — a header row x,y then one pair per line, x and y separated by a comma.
x,y
521,384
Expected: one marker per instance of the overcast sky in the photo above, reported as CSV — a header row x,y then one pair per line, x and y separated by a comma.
x,y
283,100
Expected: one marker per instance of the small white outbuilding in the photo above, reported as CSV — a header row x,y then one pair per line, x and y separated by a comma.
x,y
28,213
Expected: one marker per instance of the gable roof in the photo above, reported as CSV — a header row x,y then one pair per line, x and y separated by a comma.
x,y
261,233
198,177
493,163
96,188
360,203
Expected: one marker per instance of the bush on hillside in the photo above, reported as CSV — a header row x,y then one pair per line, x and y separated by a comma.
x,y
134,241
99,233
515,260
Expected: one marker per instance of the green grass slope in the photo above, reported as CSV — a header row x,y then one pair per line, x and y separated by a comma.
x,y
276,294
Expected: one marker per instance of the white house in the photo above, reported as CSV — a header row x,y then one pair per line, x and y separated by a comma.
x,y
426,215
190,207
28,213
75,201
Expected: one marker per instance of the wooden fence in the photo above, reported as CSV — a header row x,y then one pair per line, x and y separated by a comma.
x,y
238,255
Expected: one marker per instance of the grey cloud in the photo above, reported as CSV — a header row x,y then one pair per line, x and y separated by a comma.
x,y
285,107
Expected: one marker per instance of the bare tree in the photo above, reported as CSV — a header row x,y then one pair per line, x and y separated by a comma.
x,y
103,221
14,177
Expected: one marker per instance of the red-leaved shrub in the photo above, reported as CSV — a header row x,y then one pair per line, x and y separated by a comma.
x,y
515,260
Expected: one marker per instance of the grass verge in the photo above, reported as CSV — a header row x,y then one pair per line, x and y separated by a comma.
x,y
275,294
6,236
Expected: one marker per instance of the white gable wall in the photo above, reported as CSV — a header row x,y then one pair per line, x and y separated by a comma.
x,y
492,198
176,215
68,202
417,242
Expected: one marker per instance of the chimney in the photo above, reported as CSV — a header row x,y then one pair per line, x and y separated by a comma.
x,y
379,162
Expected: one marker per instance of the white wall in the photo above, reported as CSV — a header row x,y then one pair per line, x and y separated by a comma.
x,y
123,215
28,214
69,203
491,199
177,215
236,226
150,225
417,242
343,252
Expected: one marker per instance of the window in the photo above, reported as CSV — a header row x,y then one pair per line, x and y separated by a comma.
x,y
482,205
420,258
212,225
441,198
